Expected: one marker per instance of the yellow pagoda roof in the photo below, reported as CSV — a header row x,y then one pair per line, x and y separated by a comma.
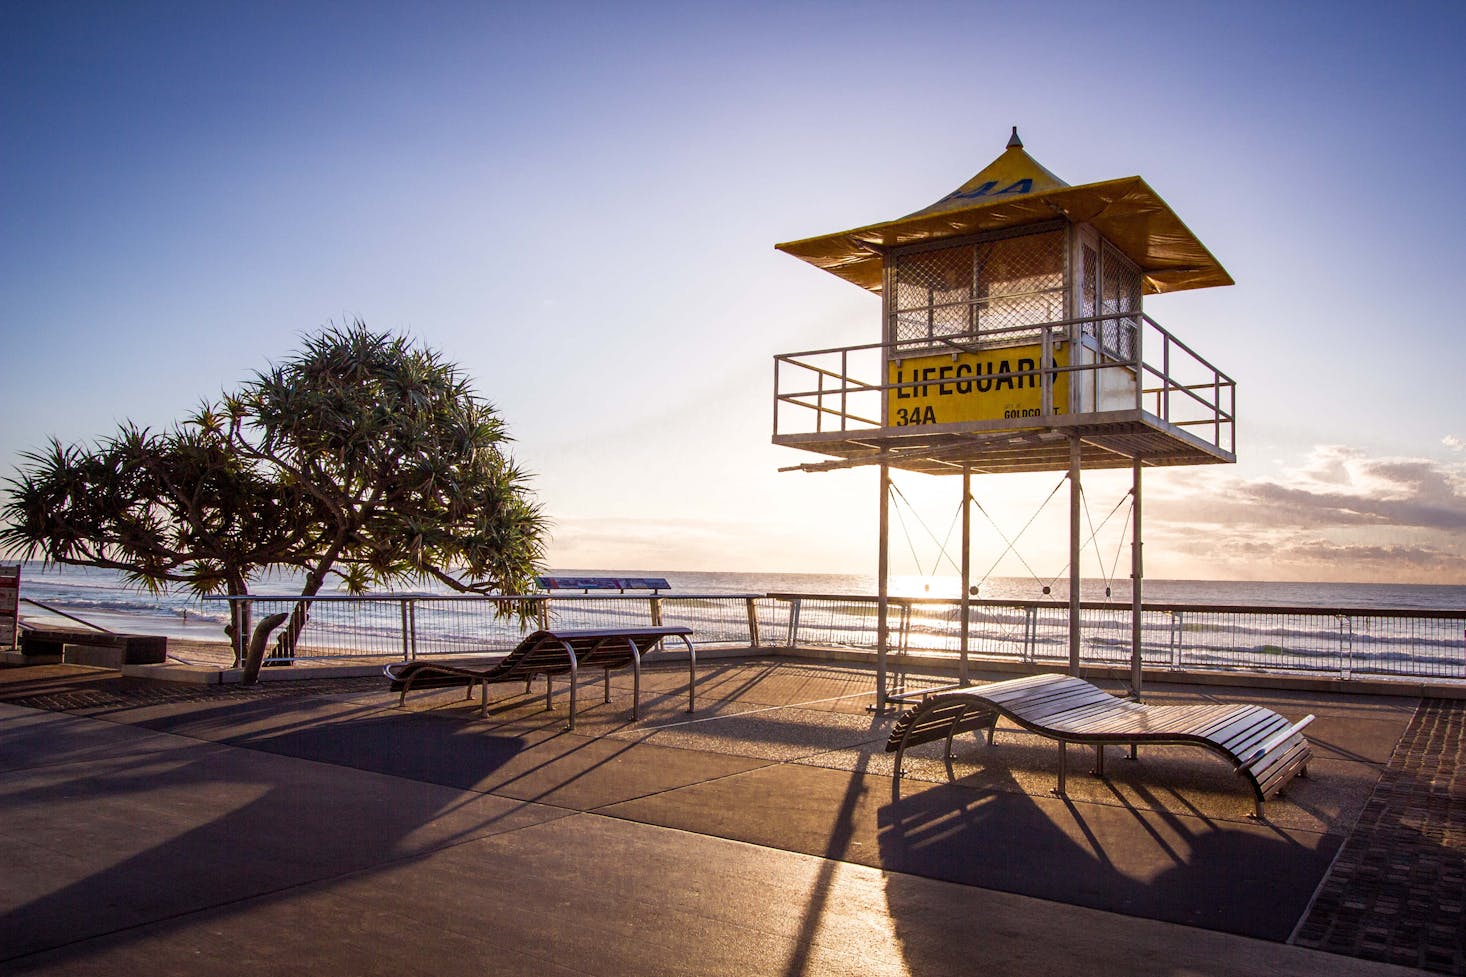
x,y
1012,191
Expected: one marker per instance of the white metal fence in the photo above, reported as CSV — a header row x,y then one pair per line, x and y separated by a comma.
x,y
412,626
1337,642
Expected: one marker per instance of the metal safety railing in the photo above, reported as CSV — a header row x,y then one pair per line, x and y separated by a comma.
x,y
843,390
1347,643
421,625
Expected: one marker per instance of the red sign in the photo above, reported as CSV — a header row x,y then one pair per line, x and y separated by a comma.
x,y
9,603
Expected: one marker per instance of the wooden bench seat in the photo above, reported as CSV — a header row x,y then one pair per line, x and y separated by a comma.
x,y
549,653
1264,748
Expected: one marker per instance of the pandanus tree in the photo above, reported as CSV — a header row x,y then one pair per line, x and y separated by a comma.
x,y
363,458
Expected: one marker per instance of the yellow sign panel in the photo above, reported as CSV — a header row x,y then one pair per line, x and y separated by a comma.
x,y
951,388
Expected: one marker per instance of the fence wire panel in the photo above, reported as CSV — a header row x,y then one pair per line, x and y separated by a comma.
x,y
335,629
1415,647
466,627
714,620
411,627
371,627
1337,642
1343,643
1001,631
600,611
831,622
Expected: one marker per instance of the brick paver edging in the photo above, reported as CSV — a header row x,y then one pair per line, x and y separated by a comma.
x,y
1396,891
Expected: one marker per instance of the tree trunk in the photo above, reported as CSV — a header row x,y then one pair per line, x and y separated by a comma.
x,y
285,645
256,655
240,614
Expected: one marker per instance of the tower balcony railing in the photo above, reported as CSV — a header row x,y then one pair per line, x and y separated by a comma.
x,y
1123,365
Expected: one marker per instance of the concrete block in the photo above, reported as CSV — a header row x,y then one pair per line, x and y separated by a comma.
x,y
98,656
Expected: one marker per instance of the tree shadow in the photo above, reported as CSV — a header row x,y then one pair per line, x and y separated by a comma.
x,y
143,839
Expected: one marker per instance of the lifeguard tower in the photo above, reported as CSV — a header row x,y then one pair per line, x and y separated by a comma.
x,y
1013,339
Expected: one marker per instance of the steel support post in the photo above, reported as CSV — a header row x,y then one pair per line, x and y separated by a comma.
x,y
1075,503
883,589
1136,578
966,572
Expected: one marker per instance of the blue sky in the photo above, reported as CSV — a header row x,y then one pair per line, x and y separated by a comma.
x,y
578,202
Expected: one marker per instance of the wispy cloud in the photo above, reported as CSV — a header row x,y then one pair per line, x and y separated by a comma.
x,y
1340,514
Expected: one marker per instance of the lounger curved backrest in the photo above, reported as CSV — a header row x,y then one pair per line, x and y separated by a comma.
x,y
1264,748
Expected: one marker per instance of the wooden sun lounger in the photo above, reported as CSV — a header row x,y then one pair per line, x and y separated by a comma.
x,y
548,653
1264,748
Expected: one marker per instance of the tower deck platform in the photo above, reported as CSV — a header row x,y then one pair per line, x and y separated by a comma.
x,y
991,406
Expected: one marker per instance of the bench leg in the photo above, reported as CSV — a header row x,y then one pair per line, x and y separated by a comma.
x,y
1063,769
607,673
574,674
1099,760
947,754
635,682
483,708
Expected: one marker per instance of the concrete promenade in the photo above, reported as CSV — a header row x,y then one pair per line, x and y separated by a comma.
x,y
315,828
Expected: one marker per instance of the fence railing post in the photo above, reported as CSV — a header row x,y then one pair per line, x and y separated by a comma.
x,y
752,607
656,607
406,644
1030,633
794,607
1346,645
1177,626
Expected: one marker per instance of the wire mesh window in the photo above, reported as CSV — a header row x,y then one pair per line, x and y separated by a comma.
x,y
1089,288
933,293
991,289
1119,292
1020,283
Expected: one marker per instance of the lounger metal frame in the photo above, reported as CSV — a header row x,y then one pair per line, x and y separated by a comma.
x,y
1264,748
549,653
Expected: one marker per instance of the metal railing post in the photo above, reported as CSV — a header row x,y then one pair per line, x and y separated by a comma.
x,y
1165,403
794,608
752,608
776,397
819,400
1216,408
406,646
1030,633
844,388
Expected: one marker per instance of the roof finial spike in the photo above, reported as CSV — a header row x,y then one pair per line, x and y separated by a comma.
x,y
1013,141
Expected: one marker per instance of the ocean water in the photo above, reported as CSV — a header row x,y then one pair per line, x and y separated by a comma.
x,y
104,598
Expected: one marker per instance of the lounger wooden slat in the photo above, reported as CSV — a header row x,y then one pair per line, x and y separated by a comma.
x,y
1243,736
549,653
1264,748
1056,708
